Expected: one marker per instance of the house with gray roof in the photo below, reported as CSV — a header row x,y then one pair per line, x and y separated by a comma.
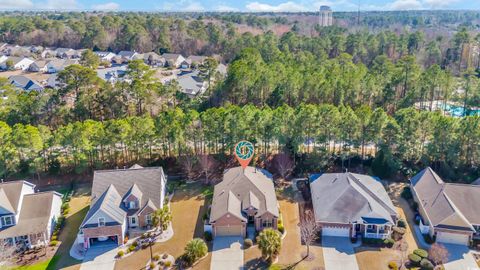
x,y
352,205
16,63
25,83
122,200
175,60
27,219
449,212
245,197
191,83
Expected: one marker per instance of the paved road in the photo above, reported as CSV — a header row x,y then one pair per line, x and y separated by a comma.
x,y
227,253
338,253
100,257
460,258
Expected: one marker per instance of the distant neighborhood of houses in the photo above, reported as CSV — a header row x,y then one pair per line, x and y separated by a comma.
x,y
37,60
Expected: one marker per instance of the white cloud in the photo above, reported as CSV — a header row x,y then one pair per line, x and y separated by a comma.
x,y
194,6
15,4
404,5
225,8
282,7
106,6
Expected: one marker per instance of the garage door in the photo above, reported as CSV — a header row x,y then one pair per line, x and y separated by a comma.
x,y
228,230
336,231
452,238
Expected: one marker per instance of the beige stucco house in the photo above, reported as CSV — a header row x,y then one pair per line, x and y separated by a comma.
x,y
352,205
245,197
449,212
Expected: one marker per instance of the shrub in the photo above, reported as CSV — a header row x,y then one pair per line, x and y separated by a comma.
x,y
168,263
415,259
194,250
415,206
247,243
131,248
389,242
208,236
66,211
152,265
156,257
275,267
430,240
421,253
372,241
402,223
53,243
407,193
392,265
281,228
426,265
53,238
120,253
135,244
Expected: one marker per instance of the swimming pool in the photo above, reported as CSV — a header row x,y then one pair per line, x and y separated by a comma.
x,y
458,111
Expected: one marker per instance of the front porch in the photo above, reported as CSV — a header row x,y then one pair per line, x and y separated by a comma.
x,y
377,231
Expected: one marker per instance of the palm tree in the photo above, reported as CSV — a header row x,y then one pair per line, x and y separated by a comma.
x,y
195,249
270,243
162,217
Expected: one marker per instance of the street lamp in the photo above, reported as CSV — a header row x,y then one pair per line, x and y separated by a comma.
x,y
150,241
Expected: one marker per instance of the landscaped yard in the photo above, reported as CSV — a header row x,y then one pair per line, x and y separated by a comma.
x,y
292,250
187,208
79,205
375,258
61,260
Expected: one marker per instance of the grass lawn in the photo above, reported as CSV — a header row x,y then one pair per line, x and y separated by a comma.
x,y
38,266
187,208
78,209
375,258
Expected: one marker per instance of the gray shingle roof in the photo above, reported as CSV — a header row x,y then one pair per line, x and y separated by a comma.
x,y
146,183
109,202
447,205
238,184
13,190
348,198
34,215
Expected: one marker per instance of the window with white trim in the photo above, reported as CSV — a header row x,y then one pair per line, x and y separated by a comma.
x,y
267,223
101,222
148,219
370,226
7,220
133,221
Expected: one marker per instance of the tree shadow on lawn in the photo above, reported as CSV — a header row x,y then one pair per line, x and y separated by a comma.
x,y
67,237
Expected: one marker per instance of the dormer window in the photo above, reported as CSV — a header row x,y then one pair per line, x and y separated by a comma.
x,y
101,222
132,204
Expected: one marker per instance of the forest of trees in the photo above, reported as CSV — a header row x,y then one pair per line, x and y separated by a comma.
x,y
334,96
324,132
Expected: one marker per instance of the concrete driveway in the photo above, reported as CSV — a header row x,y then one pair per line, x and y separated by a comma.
x,y
100,257
461,258
338,253
227,253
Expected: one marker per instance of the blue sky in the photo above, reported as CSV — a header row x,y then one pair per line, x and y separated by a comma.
x,y
235,5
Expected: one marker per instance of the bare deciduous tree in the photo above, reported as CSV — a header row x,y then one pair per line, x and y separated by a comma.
x,y
283,164
438,254
308,230
188,162
207,164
